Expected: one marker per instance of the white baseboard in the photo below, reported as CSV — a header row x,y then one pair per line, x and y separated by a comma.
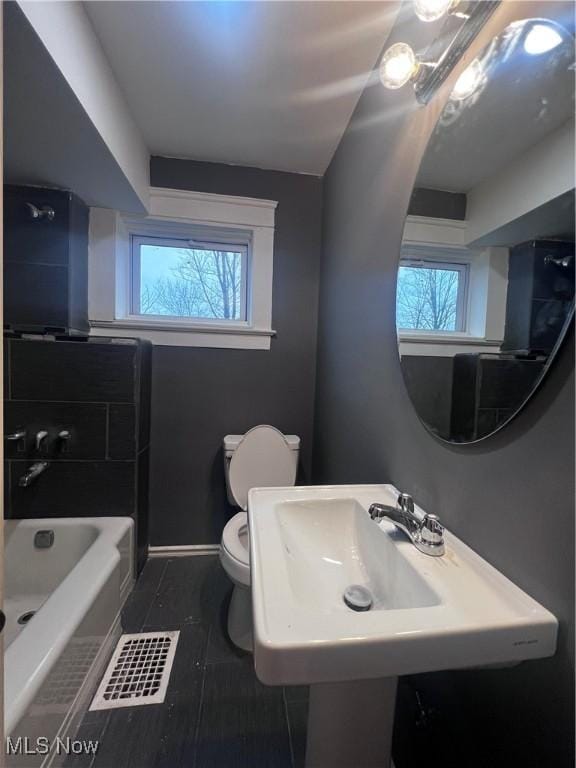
x,y
185,550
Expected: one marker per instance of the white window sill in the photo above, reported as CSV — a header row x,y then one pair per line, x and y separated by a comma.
x,y
440,345
178,213
446,338
171,334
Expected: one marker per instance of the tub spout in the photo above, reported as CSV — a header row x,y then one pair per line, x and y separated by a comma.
x,y
32,473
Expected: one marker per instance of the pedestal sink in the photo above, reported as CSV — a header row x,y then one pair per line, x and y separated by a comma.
x,y
307,546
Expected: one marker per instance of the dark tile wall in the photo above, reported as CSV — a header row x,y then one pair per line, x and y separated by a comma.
x,y
99,390
45,260
540,294
487,390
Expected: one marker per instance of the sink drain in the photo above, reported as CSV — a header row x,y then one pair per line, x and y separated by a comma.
x,y
25,617
358,597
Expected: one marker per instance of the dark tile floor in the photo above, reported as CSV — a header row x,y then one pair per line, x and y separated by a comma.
x,y
216,713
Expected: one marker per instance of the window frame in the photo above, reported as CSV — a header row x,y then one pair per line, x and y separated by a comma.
x,y
180,214
487,292
438,261
136,242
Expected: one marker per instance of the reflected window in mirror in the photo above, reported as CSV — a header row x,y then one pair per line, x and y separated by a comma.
x,y
431,295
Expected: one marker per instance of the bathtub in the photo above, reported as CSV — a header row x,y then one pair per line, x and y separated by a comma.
x,y
73,591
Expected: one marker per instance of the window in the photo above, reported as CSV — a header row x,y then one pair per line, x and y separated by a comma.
x,y
192,279
196,271
478,290
431,295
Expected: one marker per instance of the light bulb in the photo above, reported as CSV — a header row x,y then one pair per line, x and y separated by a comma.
x,y
468,81
398,66
432,10
541,39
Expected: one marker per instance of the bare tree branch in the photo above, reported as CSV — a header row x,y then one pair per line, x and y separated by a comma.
x,y
204,284
427,298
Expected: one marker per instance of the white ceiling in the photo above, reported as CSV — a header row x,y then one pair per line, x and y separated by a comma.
x,y
265,84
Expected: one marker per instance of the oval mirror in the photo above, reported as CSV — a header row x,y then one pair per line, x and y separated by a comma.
x,y
485,289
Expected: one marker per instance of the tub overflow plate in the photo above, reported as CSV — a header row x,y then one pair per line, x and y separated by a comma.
x,y
25,617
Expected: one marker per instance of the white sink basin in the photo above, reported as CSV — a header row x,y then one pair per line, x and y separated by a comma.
x,y
329,544
429,613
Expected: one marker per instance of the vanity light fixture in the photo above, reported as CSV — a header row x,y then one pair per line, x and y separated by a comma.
x,y
432,10
468,82
540,39
400,64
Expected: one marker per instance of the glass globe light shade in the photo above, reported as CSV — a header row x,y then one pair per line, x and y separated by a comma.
x,y
398,66
541,38
432,10
468,81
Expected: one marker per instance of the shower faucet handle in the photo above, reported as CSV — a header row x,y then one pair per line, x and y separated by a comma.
x,y
64,438
40,437
18,437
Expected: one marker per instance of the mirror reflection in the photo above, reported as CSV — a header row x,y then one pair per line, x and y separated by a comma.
x,y
485,287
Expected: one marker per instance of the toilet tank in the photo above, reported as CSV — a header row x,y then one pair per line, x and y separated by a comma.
x,y
231,442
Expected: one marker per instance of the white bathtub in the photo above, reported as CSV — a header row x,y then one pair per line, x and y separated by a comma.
x,y
77,587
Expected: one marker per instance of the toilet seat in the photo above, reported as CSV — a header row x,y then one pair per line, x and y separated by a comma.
x,y
235,538
235,549
263,459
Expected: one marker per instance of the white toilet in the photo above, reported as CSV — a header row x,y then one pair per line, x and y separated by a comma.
x,y
263,457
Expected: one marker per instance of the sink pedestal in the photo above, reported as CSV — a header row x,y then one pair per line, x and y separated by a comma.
x,y
350,724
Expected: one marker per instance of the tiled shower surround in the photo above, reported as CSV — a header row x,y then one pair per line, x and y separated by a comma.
x,y
99,391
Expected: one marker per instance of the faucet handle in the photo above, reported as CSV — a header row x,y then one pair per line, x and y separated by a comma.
x,y
40,437
377,512
64,439
19,438
432,531
406,503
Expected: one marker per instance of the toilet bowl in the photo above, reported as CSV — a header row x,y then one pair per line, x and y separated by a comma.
x,y
235,559
263,457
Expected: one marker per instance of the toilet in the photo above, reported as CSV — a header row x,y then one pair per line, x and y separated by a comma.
x,y
263,457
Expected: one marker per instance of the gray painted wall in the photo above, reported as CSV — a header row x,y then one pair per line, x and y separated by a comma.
x,y
511,498
199,395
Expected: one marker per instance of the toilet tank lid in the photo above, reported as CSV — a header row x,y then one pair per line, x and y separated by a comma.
x,y
231,442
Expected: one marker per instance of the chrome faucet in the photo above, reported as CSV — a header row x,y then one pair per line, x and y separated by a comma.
x,y
32,473
426,533
19,438
15,437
